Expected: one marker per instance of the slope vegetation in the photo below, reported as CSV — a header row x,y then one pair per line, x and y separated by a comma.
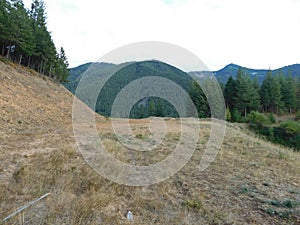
x,y
250,181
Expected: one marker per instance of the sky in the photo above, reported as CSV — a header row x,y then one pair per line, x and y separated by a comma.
x,y
259,34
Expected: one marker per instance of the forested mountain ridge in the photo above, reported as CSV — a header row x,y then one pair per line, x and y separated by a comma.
x,y
146,107
245,90
25,39
223,74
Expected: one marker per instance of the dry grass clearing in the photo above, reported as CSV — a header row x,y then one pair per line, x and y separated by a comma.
x,y
250,182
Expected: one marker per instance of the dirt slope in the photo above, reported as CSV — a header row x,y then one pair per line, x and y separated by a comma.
x,y
250,182
28,99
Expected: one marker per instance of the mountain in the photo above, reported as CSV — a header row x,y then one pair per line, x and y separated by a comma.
x,y
232,70
77,73
250,181
222,75
123,75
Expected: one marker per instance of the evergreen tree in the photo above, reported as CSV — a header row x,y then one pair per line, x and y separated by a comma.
x,y
216,107
44,53
247,98
288,93
151,107
5,23
142,111
61,71
270,94
24,39
230,93
159,110
254,94
199,99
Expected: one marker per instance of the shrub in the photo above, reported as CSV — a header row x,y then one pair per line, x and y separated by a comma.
x,y
257,118
272,118
193,204
291,127
288,134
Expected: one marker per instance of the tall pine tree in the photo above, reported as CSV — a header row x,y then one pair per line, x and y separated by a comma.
x,y
230,93
247,98
270,93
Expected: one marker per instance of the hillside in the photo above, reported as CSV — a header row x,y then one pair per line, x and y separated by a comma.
x,y
28,99
250,182
96,72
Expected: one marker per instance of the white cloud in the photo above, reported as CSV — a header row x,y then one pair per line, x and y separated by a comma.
x,y
253,33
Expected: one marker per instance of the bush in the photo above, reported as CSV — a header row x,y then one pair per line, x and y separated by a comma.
x,y
272,118
256,118
288,134
193,204
291,127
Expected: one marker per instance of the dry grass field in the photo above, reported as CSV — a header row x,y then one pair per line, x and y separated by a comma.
x,y
250,182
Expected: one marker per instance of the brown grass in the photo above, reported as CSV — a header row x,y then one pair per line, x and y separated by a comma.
x,y
250,182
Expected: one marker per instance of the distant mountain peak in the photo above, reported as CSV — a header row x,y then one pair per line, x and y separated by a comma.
x,y
232,70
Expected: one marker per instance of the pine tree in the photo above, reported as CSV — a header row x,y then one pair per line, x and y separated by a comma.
x,y
298,95
288,93
230,93
5,23
254,95
60,70
151,107
199,99
159,110
270,93
247,98
216,107
45,52
22,37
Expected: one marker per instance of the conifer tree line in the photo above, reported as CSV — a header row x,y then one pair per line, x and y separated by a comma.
x,y
24,39
278,94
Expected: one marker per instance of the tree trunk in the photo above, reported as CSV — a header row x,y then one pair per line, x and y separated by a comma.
x,y
50,71
8,51
3,49
20,60
29,61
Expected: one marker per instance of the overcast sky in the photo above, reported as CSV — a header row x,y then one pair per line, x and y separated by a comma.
x,y
252,33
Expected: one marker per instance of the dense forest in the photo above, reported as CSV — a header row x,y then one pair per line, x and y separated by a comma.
x,y
278,94
25,40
